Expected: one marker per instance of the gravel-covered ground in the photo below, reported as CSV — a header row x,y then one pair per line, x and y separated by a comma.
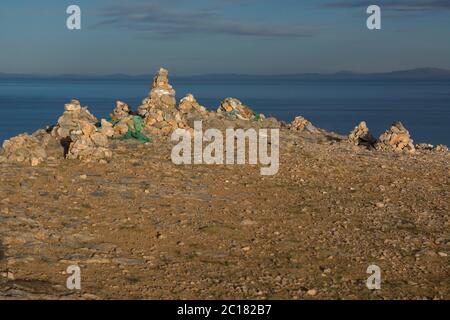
x,y
142,227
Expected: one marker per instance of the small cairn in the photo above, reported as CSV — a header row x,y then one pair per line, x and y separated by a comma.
x,y
71,121
301,124
189,105
234,108
441,148
424,147
78,133
122,119
121,111
24,149
360,136
159,109
397,139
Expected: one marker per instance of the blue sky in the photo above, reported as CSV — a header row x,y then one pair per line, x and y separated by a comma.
x,y
222,36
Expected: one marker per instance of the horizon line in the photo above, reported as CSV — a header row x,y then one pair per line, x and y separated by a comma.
x,y
342,72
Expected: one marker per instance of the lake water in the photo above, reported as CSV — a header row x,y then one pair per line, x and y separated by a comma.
x,y
423,107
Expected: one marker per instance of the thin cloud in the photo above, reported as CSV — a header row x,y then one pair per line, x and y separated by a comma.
x,y
155,20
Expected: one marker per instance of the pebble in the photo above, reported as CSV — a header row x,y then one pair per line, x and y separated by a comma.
x,y
160,236
380,205
34,162
89,296
312,292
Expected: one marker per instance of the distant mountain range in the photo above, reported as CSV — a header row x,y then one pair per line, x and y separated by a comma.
x,y
430,74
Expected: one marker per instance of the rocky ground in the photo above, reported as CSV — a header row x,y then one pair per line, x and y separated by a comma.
x,y
142,227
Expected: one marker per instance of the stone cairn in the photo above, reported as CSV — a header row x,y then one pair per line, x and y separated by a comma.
x,y
159,109
121,111
424,147
397,139
301,124
234,108
78,133
189,105
24,149
72,120
441,148
122,118
360,136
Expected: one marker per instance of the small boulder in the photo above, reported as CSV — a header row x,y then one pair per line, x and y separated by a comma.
x,y
107,128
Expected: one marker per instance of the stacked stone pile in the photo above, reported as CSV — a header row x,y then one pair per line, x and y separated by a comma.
x,y
72,120
79,135
159,109
301,124
77,130
24,149
397,139
360,136
121,111
189,105
234,108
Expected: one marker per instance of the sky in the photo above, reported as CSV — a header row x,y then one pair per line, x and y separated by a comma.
x,y
191,37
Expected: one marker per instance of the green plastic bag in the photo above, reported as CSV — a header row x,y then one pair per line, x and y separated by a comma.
x,y
257,117
136,133
138,123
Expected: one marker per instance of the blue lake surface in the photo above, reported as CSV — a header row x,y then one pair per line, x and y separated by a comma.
x,y
423,107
